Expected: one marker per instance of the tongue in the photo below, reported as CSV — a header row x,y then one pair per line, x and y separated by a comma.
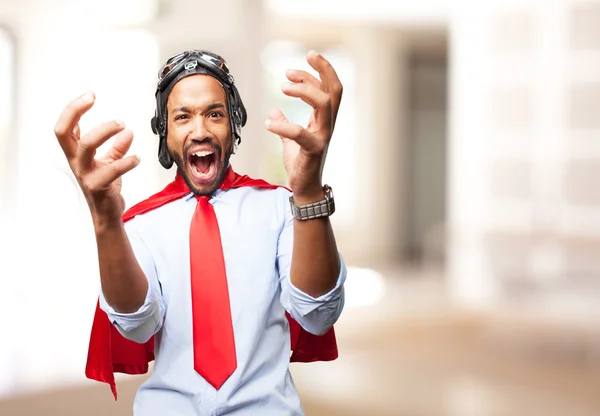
x,y
202,163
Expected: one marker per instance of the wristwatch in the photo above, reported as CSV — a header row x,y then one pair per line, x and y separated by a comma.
x,y
319,209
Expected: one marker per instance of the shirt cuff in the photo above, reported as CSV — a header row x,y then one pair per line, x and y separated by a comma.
x,y
305,303
130,321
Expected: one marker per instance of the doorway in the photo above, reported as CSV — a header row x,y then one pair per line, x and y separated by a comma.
x,y
427,149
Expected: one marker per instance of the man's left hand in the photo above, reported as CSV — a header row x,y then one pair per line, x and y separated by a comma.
x,y
305,149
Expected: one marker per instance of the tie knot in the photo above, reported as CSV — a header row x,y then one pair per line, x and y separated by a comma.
x,y
202,198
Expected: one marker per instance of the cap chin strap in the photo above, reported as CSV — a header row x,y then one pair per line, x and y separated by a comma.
x,y
164,157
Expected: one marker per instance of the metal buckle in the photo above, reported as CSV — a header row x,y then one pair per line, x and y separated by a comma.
x,y
190,65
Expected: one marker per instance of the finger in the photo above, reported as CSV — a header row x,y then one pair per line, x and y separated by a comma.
x,y
319,100
314,97
104,176
296,75
308,141
120,146
96,137
329,77
331,81
66,129
276,114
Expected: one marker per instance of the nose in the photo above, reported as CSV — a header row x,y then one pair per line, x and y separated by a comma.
x,y
199,130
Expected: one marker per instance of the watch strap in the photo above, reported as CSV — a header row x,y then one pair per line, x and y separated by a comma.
x,y
323,208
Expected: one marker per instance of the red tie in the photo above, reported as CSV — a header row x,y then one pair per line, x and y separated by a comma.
x,y
214,346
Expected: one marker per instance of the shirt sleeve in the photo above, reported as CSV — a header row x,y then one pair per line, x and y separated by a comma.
x,y
315,315
141,325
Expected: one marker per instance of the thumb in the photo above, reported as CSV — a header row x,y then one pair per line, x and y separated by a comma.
x,y
276,115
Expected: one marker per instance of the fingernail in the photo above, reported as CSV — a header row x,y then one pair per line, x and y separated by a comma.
x,y
268,123
120,123
313,52
88,97
138,158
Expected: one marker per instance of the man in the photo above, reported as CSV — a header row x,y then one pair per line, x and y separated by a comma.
x,y
211,276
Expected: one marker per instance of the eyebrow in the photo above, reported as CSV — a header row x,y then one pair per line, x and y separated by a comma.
x,y
209,107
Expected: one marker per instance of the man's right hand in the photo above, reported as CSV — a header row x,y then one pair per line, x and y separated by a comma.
x,y
99,178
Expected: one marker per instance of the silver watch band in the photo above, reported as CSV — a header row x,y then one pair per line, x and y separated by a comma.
x,y
323,208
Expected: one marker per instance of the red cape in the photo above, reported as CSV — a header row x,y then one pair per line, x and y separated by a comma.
x,y
109,352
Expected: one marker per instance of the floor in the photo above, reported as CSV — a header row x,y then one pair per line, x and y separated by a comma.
x,y
411,354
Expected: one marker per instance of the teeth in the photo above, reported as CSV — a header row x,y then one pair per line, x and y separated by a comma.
x,y
203,153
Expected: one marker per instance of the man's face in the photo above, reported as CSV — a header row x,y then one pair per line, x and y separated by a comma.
x,y
198,132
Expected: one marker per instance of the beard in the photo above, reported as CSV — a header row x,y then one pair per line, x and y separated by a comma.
x,y
183,168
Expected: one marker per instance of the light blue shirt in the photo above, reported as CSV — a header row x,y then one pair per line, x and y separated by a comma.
x,y
257,236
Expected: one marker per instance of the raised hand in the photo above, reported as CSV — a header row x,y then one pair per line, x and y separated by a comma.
x,y
305,149
99,178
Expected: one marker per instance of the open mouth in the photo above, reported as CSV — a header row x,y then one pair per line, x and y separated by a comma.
x,y
203,165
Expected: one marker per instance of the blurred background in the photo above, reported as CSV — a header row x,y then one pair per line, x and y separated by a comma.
x,y
463,165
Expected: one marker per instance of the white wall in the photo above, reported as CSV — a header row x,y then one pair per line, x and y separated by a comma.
x,y
61,54
519,157
523,204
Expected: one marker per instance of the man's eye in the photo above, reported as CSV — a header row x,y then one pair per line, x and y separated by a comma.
x,y
180,117
216,114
